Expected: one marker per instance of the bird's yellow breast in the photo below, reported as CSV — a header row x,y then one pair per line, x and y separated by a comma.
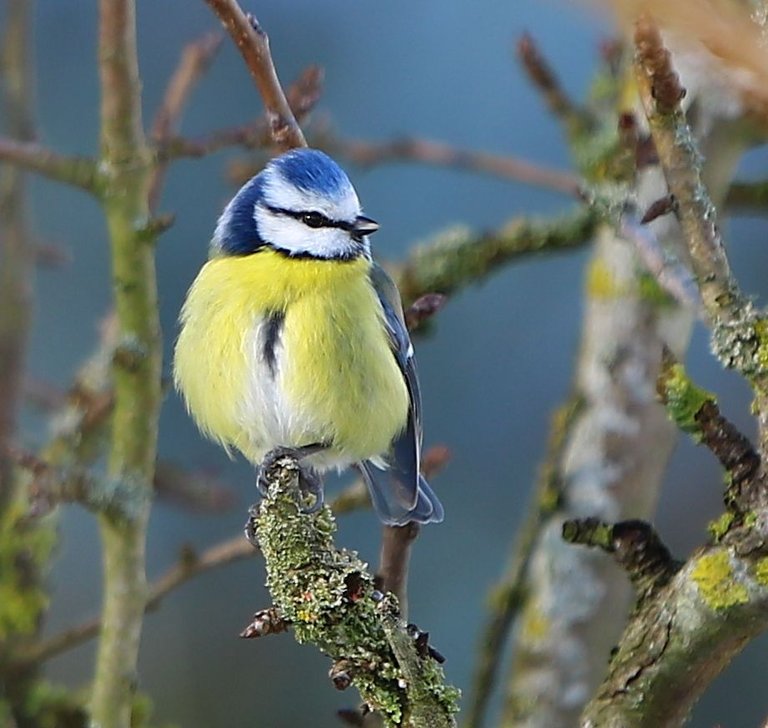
x,y
336,379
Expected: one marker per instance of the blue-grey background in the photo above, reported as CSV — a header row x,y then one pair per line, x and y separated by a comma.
x,y
497,364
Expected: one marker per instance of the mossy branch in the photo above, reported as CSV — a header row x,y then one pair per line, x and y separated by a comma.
x,y
739,331
328,597
126,164
458,257
695,411
679,638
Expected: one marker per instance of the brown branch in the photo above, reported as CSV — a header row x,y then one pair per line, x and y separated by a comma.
x,y
253,44
190,565
737,328
192,490
426,151
302,96
76,171
394,560
194,62
544,79
635,546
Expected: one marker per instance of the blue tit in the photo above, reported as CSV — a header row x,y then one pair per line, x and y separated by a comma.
x,y
292,337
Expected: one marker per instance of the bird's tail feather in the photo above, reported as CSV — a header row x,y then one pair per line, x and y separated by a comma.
x,y
390,509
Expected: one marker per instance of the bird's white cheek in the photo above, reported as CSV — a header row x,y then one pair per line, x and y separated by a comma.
x,y
294,236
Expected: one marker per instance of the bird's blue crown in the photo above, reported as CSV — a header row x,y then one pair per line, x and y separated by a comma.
x,y
301,180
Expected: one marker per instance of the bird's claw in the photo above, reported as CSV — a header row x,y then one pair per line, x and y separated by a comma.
x,y
310,482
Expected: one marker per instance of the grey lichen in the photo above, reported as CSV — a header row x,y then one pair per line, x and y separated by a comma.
x,y
328,596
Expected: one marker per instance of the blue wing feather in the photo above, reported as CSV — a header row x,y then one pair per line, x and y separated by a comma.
x,y
399,493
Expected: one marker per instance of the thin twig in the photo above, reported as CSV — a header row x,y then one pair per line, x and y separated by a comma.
x,y
426,151
194,62
190,565
544,79
302,96
77,171
670,273
507,595
253,44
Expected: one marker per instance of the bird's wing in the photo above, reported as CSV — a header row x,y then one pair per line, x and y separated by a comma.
x,y
404,458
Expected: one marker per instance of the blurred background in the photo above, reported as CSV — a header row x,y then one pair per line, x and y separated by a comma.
x,y
497,361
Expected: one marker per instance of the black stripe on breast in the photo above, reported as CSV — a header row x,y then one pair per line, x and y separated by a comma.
x,y
273,325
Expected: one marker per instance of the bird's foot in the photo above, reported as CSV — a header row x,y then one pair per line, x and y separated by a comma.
x,y
310,482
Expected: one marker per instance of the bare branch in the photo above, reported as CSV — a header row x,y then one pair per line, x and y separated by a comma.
x,y
77,171
253,44
545,81
302,95
425,151
190,565
194,62
635,546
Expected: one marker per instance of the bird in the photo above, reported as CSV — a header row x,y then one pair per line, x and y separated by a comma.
x,y
292,340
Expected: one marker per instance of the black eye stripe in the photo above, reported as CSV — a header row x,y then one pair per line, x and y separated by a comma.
x,y
312,218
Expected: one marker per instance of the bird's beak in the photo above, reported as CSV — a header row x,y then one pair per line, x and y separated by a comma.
x,y
364,226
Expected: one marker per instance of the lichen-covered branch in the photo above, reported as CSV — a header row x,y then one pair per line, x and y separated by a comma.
x,y
738,329
125,161
328,597
25,546
253,44
695,411
680,638
458,257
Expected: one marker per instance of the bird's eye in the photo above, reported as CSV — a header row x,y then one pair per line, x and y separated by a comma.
x,y
314,219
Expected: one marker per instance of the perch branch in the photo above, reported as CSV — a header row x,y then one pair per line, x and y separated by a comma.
x,y
253,44
329,598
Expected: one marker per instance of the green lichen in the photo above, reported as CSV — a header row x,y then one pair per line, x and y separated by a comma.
x,y
683,398
25,549
327,594
601,282
761,332
651,291
719,527
761,571
714,576
534,626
